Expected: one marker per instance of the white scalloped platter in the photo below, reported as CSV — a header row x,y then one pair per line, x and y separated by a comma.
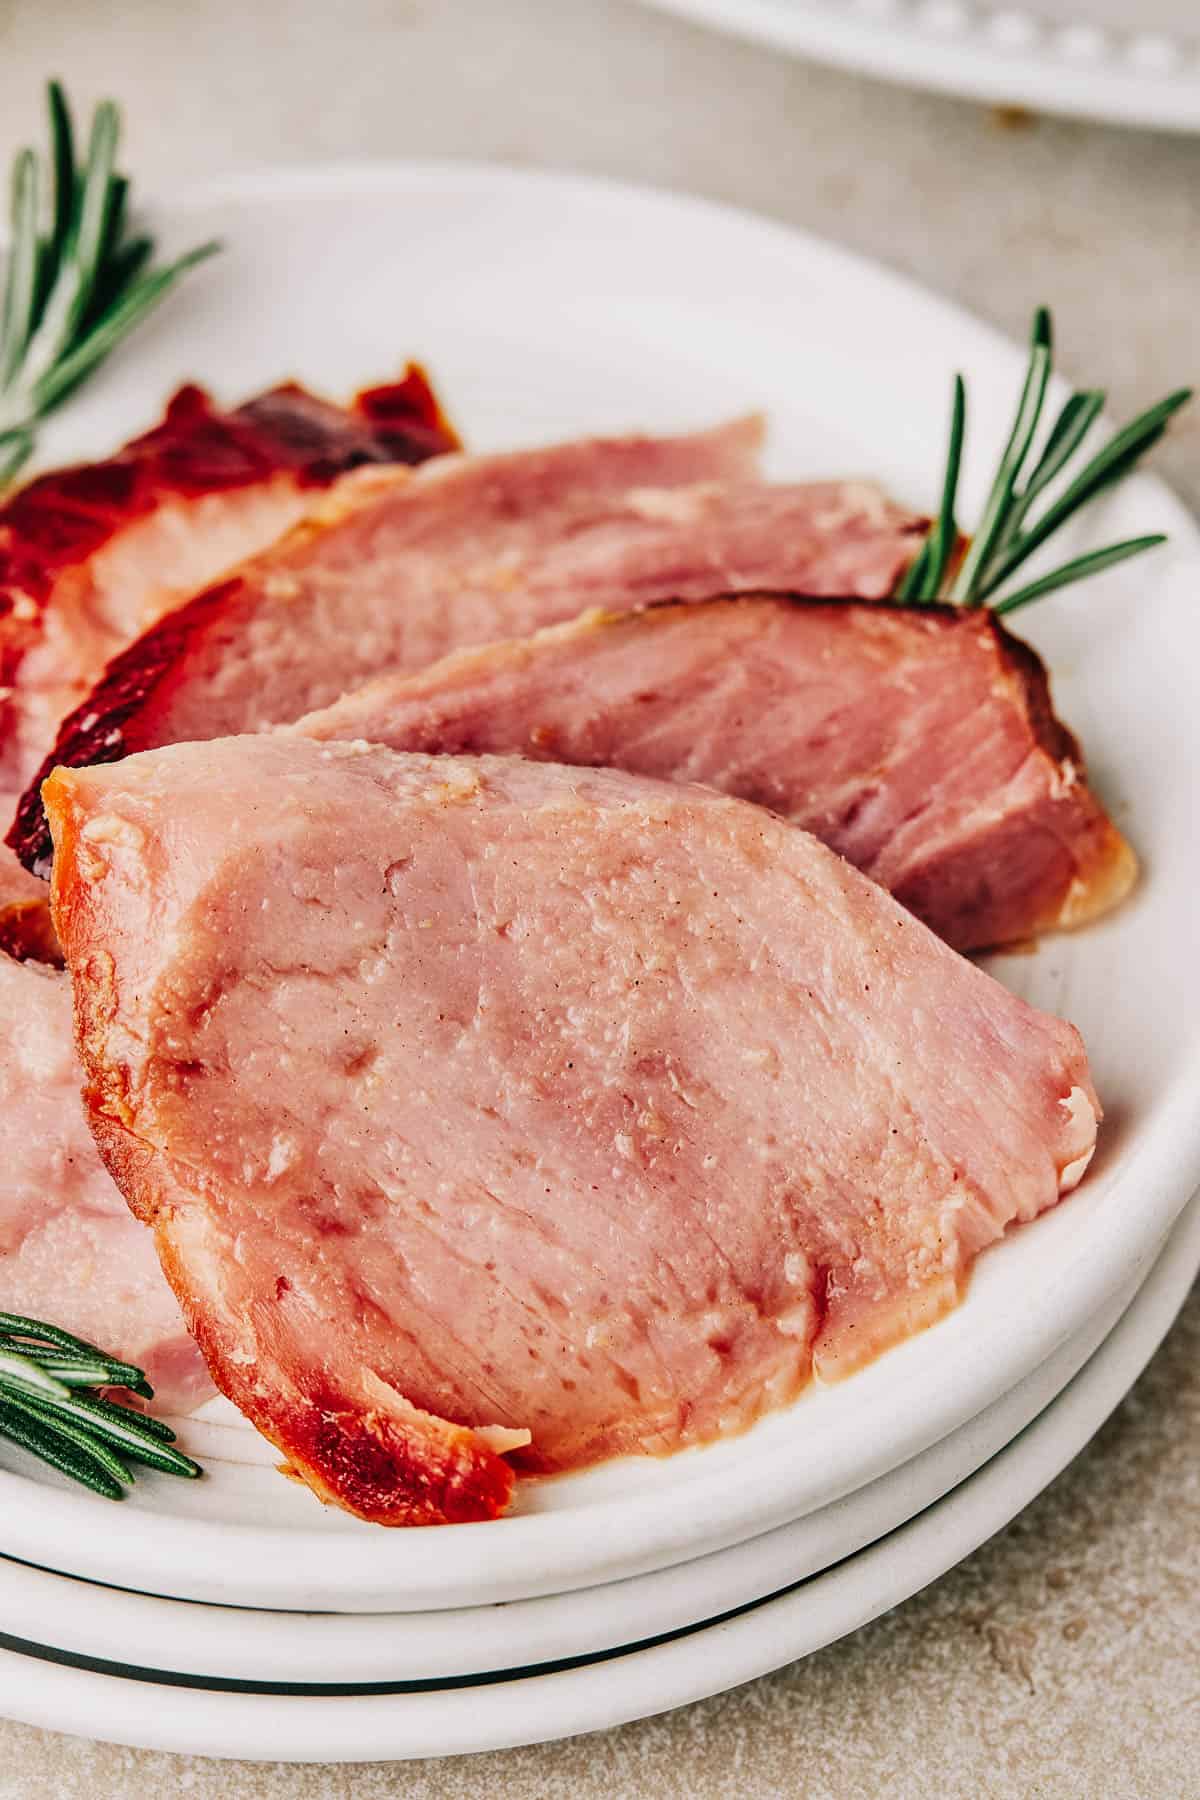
x,y
1099,59
548,306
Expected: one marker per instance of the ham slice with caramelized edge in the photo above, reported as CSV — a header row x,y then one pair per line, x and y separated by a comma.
x,y
920,743
392,574
476,1097
70,1250
91,556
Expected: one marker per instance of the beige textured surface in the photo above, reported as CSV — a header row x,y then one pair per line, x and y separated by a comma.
x,y
1062,1659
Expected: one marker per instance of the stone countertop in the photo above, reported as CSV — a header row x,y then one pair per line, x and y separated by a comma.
x,y
1061,1659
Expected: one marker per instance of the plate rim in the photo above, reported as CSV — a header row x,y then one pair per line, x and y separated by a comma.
x,y
689,1667
165,1543
749,1573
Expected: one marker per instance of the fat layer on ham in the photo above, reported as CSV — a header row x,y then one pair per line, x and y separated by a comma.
x,y
920,743
70,1250
474,1092
394,573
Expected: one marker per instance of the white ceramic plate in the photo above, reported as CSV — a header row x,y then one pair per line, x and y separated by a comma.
x,y
548,306
223,1643
598,1693
1102,59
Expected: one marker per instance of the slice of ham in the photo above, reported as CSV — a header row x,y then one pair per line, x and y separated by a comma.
x,y
70,1250
92,555
920,743
473,1092
393,575
89,556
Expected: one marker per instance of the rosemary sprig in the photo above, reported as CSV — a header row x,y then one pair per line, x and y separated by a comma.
x,y
927,572
47,1406
75,285
1007,533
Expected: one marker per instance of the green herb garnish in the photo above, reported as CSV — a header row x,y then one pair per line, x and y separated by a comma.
x,y
49,1407
76,282
1010,529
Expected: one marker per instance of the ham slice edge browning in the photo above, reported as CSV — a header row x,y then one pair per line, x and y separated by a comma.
x,y
91,555
88,556
475,1092
919,743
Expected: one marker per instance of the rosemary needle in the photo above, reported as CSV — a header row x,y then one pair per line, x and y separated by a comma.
x,y
76,284
69,1434
105,1428
51,1447
1011,527
1116,459
1079,569
928,571
999,501
49,1408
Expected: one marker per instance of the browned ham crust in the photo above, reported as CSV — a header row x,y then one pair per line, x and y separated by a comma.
x,y
92,555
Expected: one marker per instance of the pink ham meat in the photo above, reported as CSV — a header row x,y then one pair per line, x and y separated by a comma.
x,y
920,743
91,556
475,1097
393,574
70,1250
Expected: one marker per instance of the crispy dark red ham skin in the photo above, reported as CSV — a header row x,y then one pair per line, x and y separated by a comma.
x,y
394,575
90,556
61,519
475,1093
920,743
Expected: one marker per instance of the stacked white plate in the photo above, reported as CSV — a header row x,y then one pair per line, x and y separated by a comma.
x,y
235,1616
1101,59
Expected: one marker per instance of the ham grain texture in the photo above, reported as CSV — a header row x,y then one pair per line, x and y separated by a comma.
x,y
393,574
92,555
919,743
492,1114
70,1250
